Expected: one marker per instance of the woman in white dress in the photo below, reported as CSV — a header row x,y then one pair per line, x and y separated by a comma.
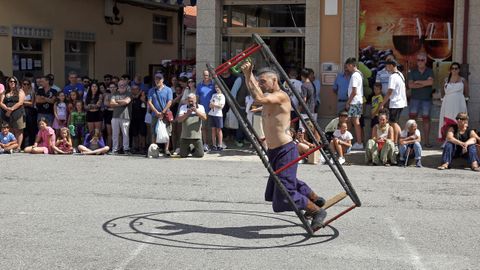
x,y
454,95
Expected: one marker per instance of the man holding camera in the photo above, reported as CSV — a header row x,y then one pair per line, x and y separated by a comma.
x,y
191,116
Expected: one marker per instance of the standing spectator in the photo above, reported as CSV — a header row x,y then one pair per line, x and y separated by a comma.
x,y
107,79
420,81
354,104
205,91
45,98
51,80
396,98
138,80
74,85
173,81
297,85
93,104
254,116
190,89
215,118
176,127
11,102
159,101
454,96
229,80
121,104
240,92
77,123
340,88
60,112
138,128
2,81
191,115
342,141
31,128
377,99
108,112
410,138
127,79
8,142
45,139
72,100
308,94
460,143
380,147
93,144
63,145
384,75
316,85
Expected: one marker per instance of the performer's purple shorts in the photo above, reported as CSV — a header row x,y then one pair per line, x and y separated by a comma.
x,y
297,189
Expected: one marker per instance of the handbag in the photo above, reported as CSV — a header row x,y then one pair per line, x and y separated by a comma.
x,y
169,116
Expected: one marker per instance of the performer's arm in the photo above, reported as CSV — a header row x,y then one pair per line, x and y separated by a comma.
x,y
256,92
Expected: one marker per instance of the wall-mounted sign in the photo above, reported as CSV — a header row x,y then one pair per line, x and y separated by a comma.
x,y
4,30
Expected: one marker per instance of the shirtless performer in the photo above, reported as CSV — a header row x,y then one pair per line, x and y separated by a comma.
x,y
281,148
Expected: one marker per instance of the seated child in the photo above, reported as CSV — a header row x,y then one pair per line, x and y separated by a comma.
x,y
342,141
44,141
64,143
93,145
333,124
8,142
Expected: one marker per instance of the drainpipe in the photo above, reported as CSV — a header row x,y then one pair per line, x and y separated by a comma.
x,y
464,67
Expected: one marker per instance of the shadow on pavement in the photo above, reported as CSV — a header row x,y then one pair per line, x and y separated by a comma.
x,y
152,228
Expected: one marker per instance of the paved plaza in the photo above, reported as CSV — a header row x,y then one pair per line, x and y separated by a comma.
x,y
119,212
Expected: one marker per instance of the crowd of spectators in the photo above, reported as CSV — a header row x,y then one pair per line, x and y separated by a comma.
x,y
118,115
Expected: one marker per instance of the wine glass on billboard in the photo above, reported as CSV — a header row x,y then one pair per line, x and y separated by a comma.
x,y
438,45
408,36
438,41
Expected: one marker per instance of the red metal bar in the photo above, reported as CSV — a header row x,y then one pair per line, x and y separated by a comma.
x,y
297,159
339,215
235,57
236,61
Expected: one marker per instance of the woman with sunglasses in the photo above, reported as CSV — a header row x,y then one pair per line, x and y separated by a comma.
x,y
11,102
31,127
460,142
454,97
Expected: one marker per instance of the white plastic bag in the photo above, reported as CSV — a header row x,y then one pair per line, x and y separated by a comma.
x,y
161,130
231,120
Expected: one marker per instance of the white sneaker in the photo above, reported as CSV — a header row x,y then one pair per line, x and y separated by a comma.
x,y
322,160
341,160
177,151
224,146
357,146
205,147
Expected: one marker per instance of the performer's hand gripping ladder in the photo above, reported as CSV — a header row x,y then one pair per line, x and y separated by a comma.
x,y
323,146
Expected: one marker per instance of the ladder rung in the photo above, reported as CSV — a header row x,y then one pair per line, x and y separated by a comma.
x,y
335,199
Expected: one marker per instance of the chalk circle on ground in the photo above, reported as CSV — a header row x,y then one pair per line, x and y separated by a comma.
x,y
216,229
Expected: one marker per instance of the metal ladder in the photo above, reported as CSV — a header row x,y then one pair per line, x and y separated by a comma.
x,y
323,145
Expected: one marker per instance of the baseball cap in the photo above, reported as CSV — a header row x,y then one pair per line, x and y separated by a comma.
x,y
159,76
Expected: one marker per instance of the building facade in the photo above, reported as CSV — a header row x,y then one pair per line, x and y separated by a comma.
x,y
92,37
319,34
